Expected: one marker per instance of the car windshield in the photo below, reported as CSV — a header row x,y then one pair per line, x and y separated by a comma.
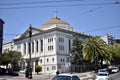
x,y
114,68
75,78
60,77
100,74
102,70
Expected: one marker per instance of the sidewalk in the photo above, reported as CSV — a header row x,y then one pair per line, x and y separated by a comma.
x,y
49,76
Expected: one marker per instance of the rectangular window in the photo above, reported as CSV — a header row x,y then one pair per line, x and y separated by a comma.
x,y
47,60
33,47
53,59
40,60
61,47
50,48
36,62
61,39
36,46
50,40
41,45
24,48
47,68
53,67
29,47
69,45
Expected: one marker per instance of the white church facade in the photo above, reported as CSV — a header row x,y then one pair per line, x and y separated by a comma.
x,y
50,45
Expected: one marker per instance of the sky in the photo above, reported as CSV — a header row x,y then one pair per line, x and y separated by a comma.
x,y
94,17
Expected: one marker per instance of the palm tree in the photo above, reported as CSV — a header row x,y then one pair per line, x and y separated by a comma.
x,y
77,57
96,49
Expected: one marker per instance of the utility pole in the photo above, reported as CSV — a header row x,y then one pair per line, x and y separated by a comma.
x,y
30,63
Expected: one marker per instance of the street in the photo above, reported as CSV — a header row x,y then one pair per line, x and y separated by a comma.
x,y
22,77
114,76
82,76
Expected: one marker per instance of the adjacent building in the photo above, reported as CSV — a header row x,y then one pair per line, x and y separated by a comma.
x,y
8,47
109,39
1,35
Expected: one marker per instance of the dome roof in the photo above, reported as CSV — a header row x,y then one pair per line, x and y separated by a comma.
x,y
55,20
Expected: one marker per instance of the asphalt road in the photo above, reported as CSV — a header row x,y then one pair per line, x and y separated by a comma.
x,y
114,76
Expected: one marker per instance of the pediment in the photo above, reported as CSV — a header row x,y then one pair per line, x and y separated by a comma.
x,y
34,31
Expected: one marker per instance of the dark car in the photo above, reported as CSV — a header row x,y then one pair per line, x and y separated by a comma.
x,y
13,73
2,71
66,77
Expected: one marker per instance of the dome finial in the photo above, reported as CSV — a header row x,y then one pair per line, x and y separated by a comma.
x,y
55,12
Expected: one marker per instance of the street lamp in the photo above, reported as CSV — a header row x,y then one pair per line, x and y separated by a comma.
x,y
30,63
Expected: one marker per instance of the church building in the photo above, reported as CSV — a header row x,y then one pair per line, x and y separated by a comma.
x,y
50,45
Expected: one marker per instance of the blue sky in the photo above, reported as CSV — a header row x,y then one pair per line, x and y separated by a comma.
x,y
89,16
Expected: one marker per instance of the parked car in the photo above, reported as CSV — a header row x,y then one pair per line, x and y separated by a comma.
x,y
13,73
102,76
22,71
114,69
2,71
66,77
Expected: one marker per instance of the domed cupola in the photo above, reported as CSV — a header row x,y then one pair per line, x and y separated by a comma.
x,y
56,23
55,20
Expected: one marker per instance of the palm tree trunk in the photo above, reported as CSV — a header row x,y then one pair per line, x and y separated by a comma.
x,y
101,62
95,62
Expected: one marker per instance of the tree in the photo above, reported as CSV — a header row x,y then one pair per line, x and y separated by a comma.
x,y
5,59
95,49
11,57
77,56
38,68
115,49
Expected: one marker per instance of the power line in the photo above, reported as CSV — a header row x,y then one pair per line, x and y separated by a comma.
x,y
73,5
91,10
104,28
87,31
21,3
12,34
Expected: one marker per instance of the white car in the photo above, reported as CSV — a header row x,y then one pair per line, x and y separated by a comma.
x,y
102,76
66,77
115,70
22,71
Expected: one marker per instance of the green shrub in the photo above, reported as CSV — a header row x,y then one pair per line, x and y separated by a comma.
x,y
38,68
